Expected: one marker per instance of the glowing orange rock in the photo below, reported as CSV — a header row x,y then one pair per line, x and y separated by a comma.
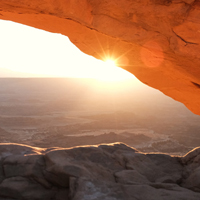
x,y
156,40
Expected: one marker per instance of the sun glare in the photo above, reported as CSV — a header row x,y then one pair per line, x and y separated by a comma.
x,y
110,63
110,72
36,52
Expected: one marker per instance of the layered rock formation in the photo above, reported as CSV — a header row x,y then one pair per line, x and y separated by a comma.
x,y
156,40
109,172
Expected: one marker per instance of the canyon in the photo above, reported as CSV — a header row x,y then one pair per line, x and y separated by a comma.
x,y
157,41
64,139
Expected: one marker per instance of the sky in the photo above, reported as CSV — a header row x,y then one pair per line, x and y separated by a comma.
x,y
30,52
37,53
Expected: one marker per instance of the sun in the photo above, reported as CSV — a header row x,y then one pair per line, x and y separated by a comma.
x,y
110,72
40,57
110,63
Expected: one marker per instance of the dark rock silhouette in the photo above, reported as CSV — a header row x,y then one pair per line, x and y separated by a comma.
x,y
107,171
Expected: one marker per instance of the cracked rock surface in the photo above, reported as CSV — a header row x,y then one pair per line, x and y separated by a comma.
x,y
112,172
156,40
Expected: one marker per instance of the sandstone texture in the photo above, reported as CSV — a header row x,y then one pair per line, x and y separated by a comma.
x,y
110,172
156,40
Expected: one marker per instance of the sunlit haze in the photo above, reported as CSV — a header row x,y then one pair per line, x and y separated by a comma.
x,y
96,103
30,52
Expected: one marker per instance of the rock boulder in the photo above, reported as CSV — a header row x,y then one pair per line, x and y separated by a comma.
x,y
111,172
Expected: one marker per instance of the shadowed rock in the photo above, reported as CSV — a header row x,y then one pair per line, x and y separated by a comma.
x,y
111,172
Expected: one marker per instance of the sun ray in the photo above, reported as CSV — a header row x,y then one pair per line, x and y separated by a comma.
x,y
102,57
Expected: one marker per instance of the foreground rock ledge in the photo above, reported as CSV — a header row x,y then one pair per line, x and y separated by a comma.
x,y
108,171
156,40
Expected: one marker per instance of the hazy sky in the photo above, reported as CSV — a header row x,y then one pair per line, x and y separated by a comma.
x,y
29,50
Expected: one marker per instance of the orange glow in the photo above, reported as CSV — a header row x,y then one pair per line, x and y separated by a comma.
x,y
110,63
109,72
35,52
152,54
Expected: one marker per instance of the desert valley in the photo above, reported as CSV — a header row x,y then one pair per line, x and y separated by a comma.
x,y
84,139
67,112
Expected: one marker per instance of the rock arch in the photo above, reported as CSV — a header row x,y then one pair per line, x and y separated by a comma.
x,y
157,41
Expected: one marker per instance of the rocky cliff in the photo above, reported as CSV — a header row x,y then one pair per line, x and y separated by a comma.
x,y
156,40
109,172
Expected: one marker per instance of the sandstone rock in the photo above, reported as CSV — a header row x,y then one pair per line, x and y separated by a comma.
x,y
25,166
22,188
97,190
156,40
161,192
191,172
143,165
60,176
193,181
191,156
15,149
130,177
170,166
112,172
1,172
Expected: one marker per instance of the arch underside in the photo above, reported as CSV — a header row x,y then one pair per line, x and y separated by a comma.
x,y
157,41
